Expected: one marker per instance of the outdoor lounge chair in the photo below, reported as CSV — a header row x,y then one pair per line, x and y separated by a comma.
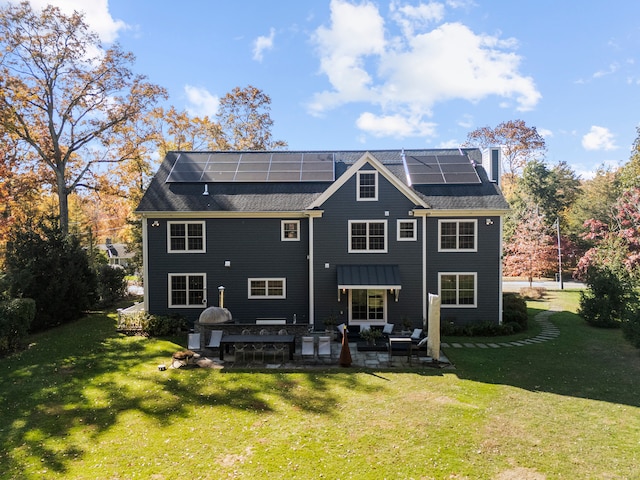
x,y
193,342
214,339
324,346
308,347
416,335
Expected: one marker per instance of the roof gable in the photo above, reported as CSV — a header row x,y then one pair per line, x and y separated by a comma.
x,y
368,158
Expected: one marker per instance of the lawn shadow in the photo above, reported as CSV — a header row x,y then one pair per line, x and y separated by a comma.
x,y
76,381
582,361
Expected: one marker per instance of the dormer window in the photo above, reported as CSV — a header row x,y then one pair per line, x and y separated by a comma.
x,y
367,188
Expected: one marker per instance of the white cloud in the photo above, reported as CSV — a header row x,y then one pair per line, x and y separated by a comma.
x,y
466,121
201,102
395,126
411,18
545,132
449,144
263,43
406,75
96,12
613,68
599,138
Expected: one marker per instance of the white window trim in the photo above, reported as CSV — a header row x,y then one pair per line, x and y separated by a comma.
x,y
204,282
367,250
457,274
458,222
283,236
186,250
267,280
415,230
367,199
368,322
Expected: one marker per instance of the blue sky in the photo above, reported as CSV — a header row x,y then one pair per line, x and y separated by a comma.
x,y
365,74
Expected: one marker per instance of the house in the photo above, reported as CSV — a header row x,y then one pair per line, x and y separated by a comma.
x,y
116,253
362,236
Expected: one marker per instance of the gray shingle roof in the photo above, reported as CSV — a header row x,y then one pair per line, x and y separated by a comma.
x,y
291,196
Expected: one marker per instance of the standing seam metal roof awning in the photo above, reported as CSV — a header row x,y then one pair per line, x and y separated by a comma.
x,y
369,276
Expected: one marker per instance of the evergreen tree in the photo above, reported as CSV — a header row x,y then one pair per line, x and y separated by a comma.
x,y
51,268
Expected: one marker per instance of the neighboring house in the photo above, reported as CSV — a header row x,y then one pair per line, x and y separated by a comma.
x,y
363,236
117,254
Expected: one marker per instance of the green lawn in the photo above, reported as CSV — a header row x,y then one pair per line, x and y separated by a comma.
x,y
83,402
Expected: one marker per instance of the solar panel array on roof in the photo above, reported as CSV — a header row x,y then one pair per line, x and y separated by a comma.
x,y
440,169
252,167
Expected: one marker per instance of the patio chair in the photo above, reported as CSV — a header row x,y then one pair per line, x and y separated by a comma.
x,y
193,342
280,347
324,346
241,348
416,335
259,348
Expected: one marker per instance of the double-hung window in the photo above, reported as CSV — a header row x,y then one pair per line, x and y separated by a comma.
x,y
187,290
458,289
406,230
367,188
367,236
267,288
290,230
457,235
186,237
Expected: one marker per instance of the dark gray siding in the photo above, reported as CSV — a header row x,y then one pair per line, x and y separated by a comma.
x,y
484,263
254,248
331,247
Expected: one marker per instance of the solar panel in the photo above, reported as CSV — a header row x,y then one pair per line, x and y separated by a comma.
x,y
195,167
441,169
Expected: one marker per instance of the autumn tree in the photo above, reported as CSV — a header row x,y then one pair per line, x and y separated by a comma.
x,y
520,144
629,174
616,244
531,251
62,94
245,120
19,189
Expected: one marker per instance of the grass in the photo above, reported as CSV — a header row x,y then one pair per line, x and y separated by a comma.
x,y
83,402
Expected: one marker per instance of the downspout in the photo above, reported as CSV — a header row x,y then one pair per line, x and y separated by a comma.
x,y
145,264
425,295
500,301
311,275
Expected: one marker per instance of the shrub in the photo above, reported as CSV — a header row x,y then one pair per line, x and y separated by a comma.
x,y
533,293
606,301
514,320
15,318
631,327
514,310
478,329
52,269
111,285
160,325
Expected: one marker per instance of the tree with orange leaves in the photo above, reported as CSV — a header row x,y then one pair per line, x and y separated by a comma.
x,y
62,94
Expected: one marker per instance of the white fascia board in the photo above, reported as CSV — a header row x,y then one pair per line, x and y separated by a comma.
x,y
201,214
459,213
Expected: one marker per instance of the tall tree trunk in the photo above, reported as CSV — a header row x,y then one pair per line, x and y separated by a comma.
x,y
63,203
